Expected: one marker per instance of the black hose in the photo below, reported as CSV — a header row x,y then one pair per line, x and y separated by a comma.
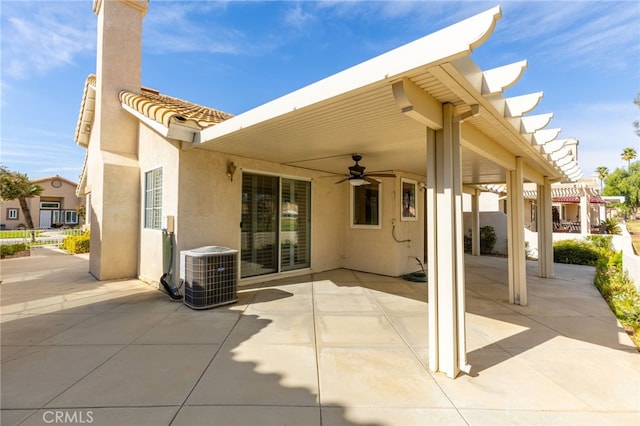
x,y
171,290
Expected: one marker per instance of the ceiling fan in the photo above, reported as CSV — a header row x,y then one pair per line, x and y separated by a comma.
x,y
357,176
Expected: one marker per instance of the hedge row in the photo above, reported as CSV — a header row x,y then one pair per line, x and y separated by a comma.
x,y
11,249
77,244
611,279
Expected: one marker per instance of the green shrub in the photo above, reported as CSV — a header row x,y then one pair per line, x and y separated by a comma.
x,y
76,244
601,242
575,252
610,226
618,290
10,249
487,239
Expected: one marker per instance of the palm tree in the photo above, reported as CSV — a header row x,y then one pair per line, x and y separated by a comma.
x,y
603,172
629,154
17,186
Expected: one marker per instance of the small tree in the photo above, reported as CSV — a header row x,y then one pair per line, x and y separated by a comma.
x,y
627,155
603,172
17,186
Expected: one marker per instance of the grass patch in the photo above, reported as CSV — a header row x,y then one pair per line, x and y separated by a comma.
x,y
633,226
17,233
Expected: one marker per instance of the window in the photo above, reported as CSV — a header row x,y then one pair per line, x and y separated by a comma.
x,y
70,216
12,214
153,199
365,205
49,205
409,207
56,216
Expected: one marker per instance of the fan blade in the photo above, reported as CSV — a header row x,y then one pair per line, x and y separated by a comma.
x,y
381,174
342,180
368,179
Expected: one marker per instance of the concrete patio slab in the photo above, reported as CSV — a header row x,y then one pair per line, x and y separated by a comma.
x,y
336,348
139,376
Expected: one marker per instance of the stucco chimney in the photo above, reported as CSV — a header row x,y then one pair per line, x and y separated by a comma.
x,y
118,66
113,173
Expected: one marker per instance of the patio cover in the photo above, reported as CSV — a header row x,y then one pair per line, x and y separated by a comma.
x,y
361,110
423,108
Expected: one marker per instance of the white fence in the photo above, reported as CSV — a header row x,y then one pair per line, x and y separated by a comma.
x,y
43,237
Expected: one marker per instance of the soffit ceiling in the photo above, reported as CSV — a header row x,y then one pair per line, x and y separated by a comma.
x,y
323,136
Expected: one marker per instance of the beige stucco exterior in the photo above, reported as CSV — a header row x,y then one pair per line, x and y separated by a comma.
x,y
206,206
57,190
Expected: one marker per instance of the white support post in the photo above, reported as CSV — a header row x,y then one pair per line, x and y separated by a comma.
x,y
585,222
475,224
515,231
447,346
545,230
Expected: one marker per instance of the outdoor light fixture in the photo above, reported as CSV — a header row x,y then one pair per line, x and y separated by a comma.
x,y
231,169
357,181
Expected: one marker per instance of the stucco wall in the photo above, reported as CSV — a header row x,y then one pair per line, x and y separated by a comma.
x,y
207,206
154,152
375,250
495,219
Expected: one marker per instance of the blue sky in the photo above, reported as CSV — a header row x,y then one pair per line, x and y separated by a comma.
x,y
233,56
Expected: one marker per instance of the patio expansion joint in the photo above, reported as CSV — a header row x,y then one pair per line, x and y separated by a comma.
x,y
423,365
204,370
315,348
124,346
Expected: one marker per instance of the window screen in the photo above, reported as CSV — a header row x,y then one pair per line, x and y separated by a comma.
x,y
153,199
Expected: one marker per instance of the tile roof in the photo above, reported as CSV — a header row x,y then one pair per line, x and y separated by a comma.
x,y
161,108
87,109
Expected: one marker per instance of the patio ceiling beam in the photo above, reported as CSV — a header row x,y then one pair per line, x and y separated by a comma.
x,y
532,175
543,136
532,123
476,141
496,80
458,75
418,104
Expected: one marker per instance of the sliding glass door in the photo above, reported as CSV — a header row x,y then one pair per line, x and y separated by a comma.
x,y
295,224
275,224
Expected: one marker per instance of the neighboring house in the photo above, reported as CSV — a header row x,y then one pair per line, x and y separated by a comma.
x,y
264,181
573,204
577,207
56,207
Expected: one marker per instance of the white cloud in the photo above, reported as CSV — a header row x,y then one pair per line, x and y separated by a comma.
x,y
602,35
38,37
297,17
192,27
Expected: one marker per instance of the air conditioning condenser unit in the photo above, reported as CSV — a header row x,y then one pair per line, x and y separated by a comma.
x,y
210,276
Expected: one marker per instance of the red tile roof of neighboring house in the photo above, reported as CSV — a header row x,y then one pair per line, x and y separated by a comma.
x,y
576,200
161,108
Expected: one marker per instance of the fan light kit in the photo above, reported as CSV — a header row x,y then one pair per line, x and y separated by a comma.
x,y
357,176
